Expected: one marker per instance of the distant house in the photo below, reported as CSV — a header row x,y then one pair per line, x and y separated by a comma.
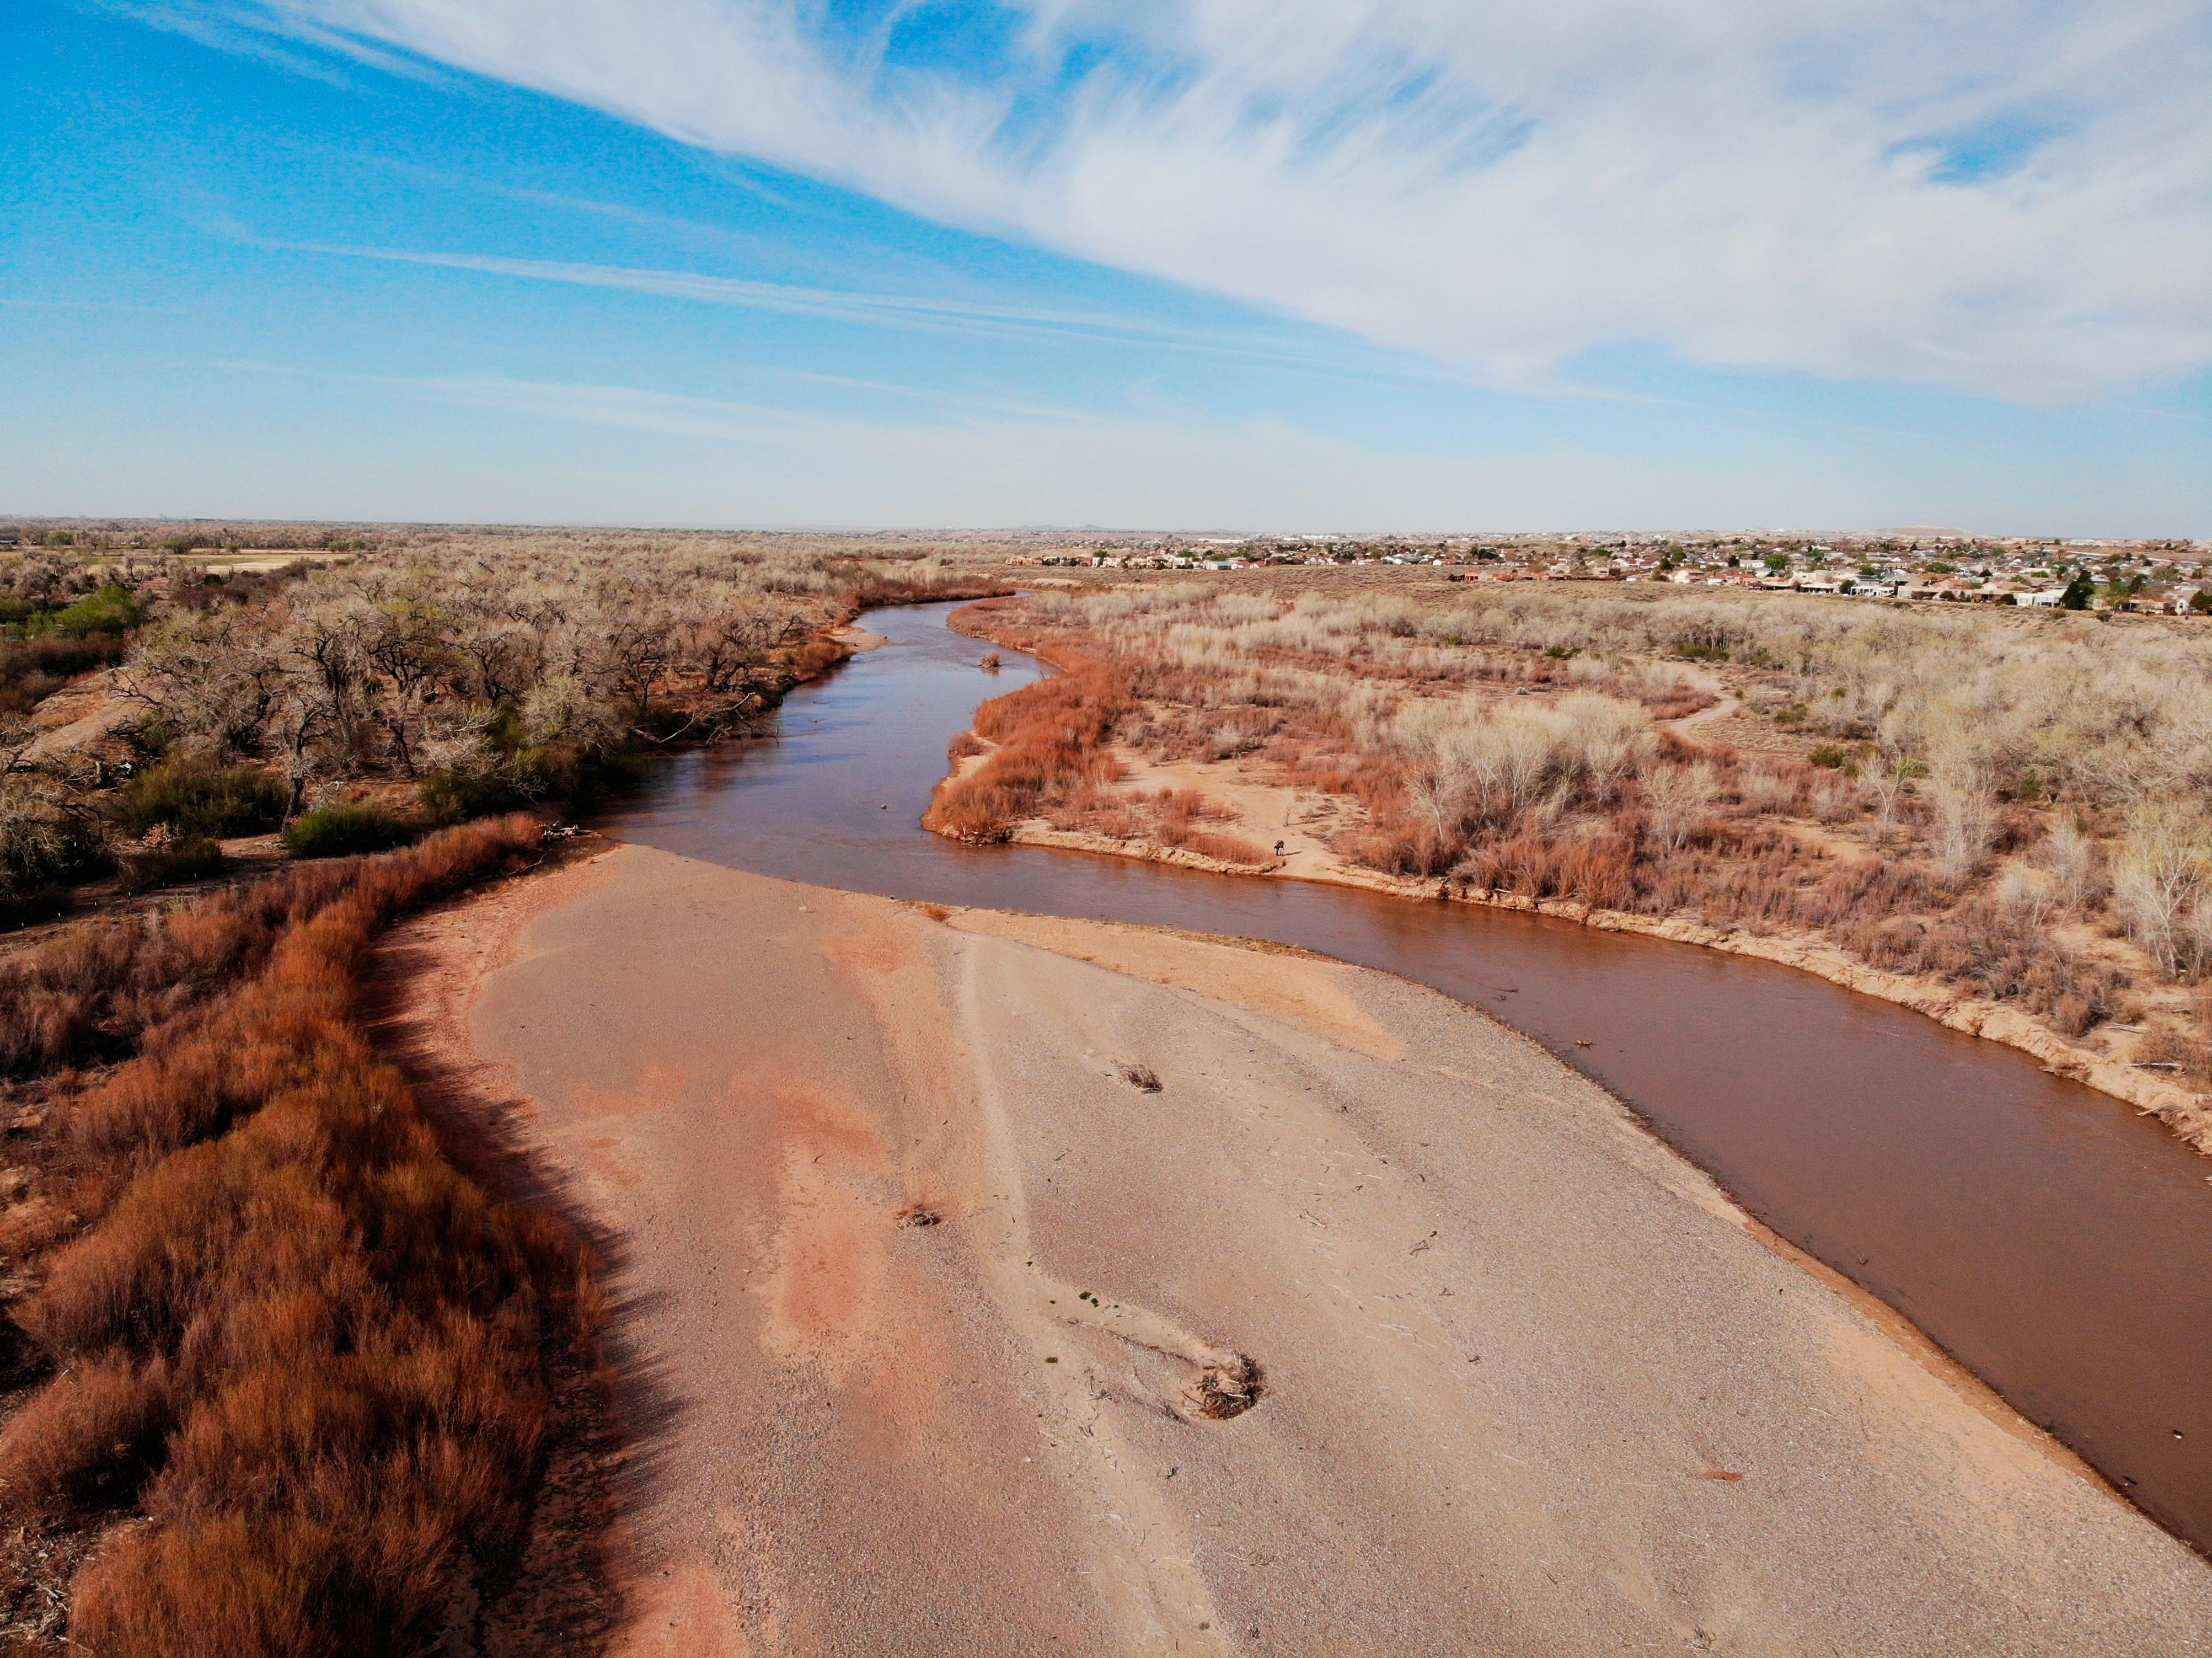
x,y
10,536
2045,599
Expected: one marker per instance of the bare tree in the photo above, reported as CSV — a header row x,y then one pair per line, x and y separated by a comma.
x,y
2162,876
1679,796
1965,813
2070,855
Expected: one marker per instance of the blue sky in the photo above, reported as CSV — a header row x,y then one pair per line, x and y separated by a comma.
x,y
1195,263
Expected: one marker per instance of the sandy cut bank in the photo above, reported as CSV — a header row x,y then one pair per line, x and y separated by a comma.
x,y
1012,1285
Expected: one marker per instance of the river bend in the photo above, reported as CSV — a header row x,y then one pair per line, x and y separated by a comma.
x,y
2047,1237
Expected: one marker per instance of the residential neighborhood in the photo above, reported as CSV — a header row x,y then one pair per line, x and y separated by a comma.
x,y
2165,576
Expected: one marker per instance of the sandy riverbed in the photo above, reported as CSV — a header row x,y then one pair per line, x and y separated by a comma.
x,y
931,1304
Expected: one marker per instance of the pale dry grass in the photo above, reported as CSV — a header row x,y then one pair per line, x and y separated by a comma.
x,y
1983,781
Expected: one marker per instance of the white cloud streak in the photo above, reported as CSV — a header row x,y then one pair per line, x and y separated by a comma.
x,y
1500,186
721,419
910,313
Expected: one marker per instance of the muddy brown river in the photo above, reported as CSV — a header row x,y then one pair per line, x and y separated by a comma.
x,y
2047,1237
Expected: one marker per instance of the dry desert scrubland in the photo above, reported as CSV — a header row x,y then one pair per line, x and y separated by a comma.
x,y
279,1373
639,1256
1998,817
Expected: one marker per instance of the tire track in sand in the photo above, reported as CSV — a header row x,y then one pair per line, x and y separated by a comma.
x,y
1154,1593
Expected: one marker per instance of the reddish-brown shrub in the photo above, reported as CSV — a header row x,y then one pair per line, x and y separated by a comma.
x,y
930,587
94,993
2186,1055
1052,745
1178,817
1721,852
27,1228
1982,948
343,1335
1596,868
234,1588
1228,848
1330,774
1398,847
89,1436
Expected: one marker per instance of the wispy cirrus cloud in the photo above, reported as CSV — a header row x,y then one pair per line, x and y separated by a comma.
x,y
839,305
1499,186
908,311
723,419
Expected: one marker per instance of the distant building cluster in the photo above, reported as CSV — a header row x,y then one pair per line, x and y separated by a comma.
x,y
2077,574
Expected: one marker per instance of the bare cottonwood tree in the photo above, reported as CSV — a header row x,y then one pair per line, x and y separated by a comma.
x,y
2162,880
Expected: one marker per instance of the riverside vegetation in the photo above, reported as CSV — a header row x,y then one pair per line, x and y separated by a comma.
x,y
280,1376
432,681
278,1368
276,1375
2014,807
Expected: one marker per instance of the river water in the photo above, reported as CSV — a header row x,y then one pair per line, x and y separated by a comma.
x,y
2043,1234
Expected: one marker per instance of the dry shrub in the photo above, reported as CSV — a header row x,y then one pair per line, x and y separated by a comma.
x,y
1751,875
1598,868
483,660
36,1223
1227,848
348,1335
1990,950
1398,845
1179,818
1052,749
1210,843
94,993
2187,1056
922,584
1681,705
89,1437
1328,774
1577,797
232,1589
815,657
31,669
